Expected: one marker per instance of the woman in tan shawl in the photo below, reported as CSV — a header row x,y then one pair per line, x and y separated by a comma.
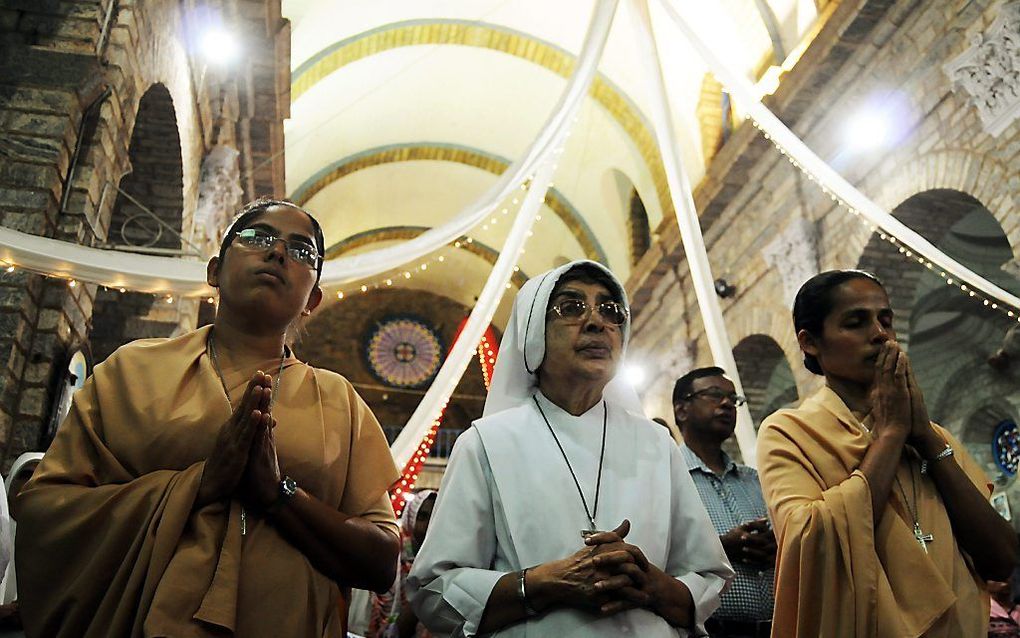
x,y
883,519
190,493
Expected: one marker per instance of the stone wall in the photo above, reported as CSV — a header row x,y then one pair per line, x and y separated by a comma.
x,y
72,80
751,193
889,52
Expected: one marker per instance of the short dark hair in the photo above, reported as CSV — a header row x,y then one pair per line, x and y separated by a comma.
x,y
586,273
683,385
253,210
814,303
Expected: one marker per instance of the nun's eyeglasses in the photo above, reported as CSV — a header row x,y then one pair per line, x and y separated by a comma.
x,y
611,312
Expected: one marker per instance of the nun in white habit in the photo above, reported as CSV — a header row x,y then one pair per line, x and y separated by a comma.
x,y
564,512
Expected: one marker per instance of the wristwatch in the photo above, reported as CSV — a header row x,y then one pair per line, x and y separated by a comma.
x,y
288,488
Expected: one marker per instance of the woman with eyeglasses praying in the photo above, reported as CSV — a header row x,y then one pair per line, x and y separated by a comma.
x,y
564,512
882,518
213,484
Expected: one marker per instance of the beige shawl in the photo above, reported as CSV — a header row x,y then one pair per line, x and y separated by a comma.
x,y
108,536
839,576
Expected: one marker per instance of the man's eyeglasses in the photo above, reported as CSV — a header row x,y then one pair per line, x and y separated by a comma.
x,y
258,239
718,395
611,312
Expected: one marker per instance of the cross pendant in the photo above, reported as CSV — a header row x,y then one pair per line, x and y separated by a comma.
x,y
922,538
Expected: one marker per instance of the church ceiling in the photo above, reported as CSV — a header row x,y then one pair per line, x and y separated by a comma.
x,y
403,113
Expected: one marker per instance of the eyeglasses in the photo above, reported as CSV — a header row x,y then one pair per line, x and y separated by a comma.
x,y
718,395
577,310
258,239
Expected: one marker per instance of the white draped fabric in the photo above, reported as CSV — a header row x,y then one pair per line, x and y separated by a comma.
x,y
187,277
741,91
463,351
690,227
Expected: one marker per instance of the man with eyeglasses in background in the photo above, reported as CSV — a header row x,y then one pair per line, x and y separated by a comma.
x,y
705,408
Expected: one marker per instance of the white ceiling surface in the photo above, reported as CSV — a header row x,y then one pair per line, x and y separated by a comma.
x,y
378,196
496,103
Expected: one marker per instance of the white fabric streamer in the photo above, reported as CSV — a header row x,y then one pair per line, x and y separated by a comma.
x,y
741,91
690,228
187,277
112,268
463,351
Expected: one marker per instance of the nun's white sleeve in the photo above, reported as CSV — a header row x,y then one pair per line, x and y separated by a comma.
x,y
454,572
696,556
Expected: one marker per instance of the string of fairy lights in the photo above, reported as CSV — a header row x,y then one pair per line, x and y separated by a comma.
x,y
396,277
389,280
393,278
886,236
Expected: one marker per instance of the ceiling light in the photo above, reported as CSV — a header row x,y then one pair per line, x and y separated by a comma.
x,y
219,46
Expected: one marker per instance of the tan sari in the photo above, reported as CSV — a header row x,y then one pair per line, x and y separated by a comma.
x,y
836,574
108,535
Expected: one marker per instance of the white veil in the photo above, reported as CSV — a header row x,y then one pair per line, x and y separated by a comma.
x,y
523,346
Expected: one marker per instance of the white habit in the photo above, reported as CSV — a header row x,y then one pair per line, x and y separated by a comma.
x,y
508,501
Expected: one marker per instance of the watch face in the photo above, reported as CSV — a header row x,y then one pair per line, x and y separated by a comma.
x,y
288,486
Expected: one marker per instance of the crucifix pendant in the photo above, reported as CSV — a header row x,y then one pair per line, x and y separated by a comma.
x,y
922,538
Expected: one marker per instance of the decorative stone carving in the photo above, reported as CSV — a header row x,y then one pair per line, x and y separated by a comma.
x,y
219,193
794,253
989,71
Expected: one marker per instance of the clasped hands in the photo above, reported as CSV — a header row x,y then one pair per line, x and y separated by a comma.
x,y
753,543
243,463
605,577
898,404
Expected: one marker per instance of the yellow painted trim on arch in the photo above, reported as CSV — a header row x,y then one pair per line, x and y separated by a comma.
x,y
440,32
446,153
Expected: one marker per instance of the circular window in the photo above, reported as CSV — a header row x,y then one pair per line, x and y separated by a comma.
x,y
1006,447
404,352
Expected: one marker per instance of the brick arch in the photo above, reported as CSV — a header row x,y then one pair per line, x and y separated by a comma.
x,y
337,336
155,180
931,214
774,323
977,431
766,375
982,177
619,188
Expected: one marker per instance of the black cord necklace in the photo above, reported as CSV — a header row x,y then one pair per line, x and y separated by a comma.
x,y
591,514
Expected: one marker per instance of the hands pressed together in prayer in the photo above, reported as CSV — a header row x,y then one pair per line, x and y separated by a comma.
x,y
898,404
609,576
243,462
752,543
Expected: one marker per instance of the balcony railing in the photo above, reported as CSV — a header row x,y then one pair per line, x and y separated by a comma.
x,y
440,449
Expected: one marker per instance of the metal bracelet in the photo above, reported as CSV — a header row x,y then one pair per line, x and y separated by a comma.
x,y
522,595
944,454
